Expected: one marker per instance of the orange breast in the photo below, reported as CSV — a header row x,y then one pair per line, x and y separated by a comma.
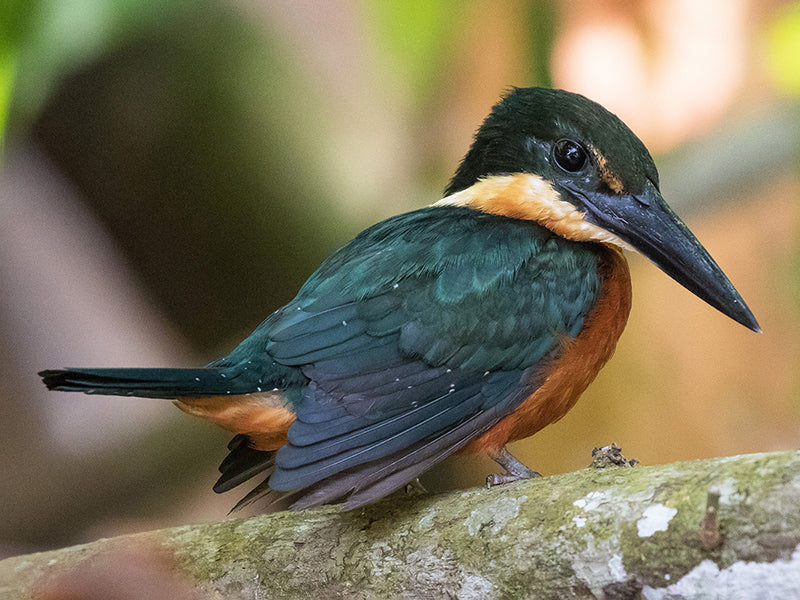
x,y
578,363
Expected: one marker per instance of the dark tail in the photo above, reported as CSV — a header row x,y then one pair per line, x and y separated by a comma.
x,y
150,383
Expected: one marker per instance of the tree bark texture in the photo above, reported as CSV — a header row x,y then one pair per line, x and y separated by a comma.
x,y
716,528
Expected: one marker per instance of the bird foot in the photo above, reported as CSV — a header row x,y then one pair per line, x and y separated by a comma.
x,y
504,478
514,470
415,488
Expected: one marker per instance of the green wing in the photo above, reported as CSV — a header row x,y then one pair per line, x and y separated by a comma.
x,y
415,338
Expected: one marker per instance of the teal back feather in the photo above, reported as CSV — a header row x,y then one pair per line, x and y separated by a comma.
x,y
494,291
413,339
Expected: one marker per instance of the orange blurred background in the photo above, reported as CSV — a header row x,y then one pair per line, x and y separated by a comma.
x,y
172,173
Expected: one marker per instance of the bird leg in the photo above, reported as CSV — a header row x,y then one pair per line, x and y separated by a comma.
x,y
415,488
514,470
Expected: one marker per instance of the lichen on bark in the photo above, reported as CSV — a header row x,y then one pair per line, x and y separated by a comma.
x,y
596,533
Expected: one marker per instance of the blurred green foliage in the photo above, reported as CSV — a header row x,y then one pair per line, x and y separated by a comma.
x,y
195,146
783,38
415,37
45,40
15,19
542,25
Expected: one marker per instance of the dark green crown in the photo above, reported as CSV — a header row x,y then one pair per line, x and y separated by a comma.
x,y
518,136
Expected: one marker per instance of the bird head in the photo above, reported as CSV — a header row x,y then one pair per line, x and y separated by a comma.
x,y
566,162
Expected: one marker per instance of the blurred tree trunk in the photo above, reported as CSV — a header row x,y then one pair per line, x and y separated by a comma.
x,y
716,528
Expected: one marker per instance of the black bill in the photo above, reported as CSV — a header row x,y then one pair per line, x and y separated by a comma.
x,y
648,224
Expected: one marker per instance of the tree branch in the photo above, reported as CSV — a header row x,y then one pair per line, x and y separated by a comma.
x,y
723,527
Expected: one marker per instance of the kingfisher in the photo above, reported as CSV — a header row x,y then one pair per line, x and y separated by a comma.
x,y
455,328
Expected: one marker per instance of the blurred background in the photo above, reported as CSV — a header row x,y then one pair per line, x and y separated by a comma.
x,y
173,171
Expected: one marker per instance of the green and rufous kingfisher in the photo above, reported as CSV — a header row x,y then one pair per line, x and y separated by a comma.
x,y
455,328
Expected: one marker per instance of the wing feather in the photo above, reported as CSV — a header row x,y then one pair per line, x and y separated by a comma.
x,y
414,339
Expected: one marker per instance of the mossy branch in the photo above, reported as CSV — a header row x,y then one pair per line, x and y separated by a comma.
x,y
724,527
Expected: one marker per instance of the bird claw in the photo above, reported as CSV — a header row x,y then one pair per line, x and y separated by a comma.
x,y
415,488
504,478
514,470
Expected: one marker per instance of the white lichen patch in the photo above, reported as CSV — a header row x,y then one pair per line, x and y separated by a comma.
x,y
426,522
23,565
494,515
475,587
593,500
382,560
778,580
616,568
728,492
598,506
655,518
595,569
431,572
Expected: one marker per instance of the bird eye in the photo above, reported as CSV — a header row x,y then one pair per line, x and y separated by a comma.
x,y
569,155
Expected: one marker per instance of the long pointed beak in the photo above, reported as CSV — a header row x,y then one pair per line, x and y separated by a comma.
x,y
648,224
